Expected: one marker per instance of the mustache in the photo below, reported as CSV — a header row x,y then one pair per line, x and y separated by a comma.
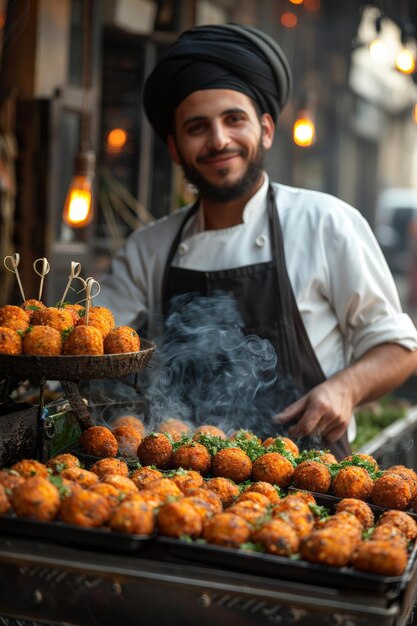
x,y
212,154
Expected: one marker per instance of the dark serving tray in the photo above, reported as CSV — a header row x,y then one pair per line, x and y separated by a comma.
x,y
66,534
277,567
75,368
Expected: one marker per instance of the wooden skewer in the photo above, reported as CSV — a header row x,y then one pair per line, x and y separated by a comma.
x,y
14,261
74,273
42,273
90,283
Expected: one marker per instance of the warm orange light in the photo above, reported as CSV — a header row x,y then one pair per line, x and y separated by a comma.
x,y
297,1
78,208
116,139
405,60
312,5
288,19
304,130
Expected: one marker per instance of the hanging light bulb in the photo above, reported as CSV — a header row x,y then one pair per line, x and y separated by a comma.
x,y
378,49
78,207
304,129
405,59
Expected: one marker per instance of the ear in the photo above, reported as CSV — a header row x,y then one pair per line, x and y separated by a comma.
x,y
172,149
268,130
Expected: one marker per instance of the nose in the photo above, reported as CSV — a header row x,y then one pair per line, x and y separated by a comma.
x,y
218,138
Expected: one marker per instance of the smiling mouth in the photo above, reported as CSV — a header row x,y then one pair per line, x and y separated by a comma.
x,y
219,157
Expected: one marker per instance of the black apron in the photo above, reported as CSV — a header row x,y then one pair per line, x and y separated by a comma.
x,y
266,302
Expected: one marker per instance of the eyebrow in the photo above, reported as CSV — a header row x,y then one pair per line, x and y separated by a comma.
x,y
200,118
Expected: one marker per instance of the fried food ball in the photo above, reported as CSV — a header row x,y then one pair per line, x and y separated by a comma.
x,y
407,474
103,467
232,463
99,317
155,449
37,498
151,499
352,482
133,516
296,513
62,461
52,316
273,468
163,488
179,518
289,444
84,340
74,311
359,509
203,507
380,557
244,434
14,317
110,492
81,476
277,537
327,546
226,489
386,532
346,523
188,480
42,340
252,496
192,456
363,457
122,339
32,305
404,522
175,428
10,341
313,476
208,429
66,487
266,489
128,440
325,456
252,512
10,479
144,476
122,483
99,441
305,496
30,467
227,529
209,496
392,492
129,420
85,508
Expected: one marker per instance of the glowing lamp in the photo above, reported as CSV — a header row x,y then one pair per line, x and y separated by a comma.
x,y
304,130
78,208
116,140
288,19
405,60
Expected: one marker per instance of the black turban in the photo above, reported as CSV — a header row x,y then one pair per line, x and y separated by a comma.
x,y
227,56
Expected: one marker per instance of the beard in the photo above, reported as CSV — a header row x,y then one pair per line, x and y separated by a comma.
x,y
227,192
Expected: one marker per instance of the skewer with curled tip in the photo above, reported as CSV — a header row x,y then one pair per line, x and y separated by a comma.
x,y
11,263
42,273
74,273
89,284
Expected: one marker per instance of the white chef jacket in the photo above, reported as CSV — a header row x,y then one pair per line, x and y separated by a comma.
x,y
343,287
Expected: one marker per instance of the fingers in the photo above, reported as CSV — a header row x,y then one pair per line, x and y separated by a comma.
x,y
291,412
307,425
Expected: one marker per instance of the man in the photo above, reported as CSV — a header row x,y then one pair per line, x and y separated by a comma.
x,y
304,268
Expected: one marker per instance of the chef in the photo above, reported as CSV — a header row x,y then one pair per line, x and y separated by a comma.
x,y
304,268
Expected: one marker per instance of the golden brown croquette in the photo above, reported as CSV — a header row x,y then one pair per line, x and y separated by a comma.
x,y
10,341
99,441
42,340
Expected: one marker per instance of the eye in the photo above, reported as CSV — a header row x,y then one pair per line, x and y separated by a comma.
x,y
196,128
234,118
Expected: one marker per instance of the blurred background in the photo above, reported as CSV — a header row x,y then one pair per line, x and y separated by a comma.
x,y
72,125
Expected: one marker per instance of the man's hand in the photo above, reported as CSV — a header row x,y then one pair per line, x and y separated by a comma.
x,y
326,411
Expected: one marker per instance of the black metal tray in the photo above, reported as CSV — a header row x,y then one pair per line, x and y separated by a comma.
x,y
75,368
103,539
271,566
